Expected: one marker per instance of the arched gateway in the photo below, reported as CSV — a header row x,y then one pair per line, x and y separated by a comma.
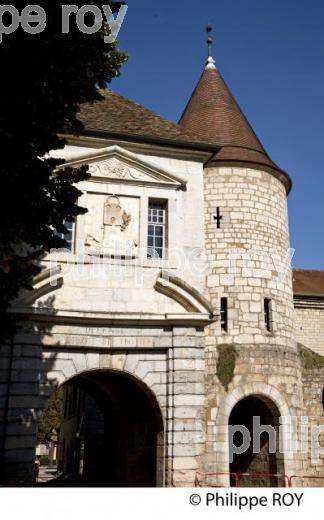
x,y
111,433
261,464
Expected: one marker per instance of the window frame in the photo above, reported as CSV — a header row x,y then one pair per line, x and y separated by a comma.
x,y
164,203
71,231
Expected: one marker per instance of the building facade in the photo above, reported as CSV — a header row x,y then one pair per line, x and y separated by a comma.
x,y
172,315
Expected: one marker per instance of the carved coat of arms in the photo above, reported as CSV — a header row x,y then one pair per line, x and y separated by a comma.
x,y
115,228
114,215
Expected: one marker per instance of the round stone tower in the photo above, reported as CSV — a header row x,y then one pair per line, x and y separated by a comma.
x,y
251,353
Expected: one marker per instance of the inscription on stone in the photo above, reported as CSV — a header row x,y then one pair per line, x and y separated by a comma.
x,y
98,341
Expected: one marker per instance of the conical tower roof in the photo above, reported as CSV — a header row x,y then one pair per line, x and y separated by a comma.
x,y
213,114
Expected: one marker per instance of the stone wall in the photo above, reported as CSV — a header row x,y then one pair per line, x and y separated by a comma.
x,y
249,255
265,372
79,325
127,283
309,320
19,400
313,466
249,261
309,317
83,298
170,364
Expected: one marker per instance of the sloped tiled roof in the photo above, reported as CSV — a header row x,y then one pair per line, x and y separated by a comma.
x,y
308,282
117,115
211,121
213,114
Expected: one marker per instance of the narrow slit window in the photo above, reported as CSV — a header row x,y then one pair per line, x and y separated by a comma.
x,y
157,229
224,314
268,314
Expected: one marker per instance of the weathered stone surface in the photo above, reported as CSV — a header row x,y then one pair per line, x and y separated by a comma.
x,y
119,319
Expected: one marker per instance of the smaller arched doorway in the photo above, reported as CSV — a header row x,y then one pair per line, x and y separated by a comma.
x,y
262,456
111,432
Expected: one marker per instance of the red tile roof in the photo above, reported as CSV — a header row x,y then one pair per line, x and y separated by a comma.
x,y
213,114
211,121
117,115
308,282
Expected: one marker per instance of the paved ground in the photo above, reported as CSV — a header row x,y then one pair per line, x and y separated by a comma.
x,y
46,474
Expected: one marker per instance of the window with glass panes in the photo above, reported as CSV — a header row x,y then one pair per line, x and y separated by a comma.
x,y
68,237
157,223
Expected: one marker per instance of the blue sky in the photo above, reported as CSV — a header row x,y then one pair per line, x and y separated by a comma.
x,y
271,54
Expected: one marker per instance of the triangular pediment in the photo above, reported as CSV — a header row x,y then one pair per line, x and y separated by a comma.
x,y
116,163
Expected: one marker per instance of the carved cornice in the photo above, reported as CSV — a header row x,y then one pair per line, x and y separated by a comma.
x,y
117,163
57,316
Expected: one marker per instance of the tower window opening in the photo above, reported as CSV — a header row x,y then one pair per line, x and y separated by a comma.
x,y
268,314
224,314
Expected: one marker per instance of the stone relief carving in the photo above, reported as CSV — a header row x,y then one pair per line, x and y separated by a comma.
x,y
113,168
117,232
114,215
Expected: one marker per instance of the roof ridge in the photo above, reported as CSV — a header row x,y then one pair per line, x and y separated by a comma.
x,y
303,269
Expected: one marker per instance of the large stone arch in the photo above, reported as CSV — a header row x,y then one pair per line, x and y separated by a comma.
x,y
147,370
165,355
155,420
256,389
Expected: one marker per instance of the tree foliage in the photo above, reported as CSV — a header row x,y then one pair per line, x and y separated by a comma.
x,y
310,359
50,420
44,79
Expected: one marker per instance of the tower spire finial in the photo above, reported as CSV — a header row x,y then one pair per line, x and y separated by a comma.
x,y
210,64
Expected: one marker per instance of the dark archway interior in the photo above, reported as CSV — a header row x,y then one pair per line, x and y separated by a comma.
x,y
263,462
111,432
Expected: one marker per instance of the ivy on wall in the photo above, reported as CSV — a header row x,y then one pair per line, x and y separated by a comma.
x,y
309,358
226,362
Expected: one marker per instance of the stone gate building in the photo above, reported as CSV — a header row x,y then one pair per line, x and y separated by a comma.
x,y
172,315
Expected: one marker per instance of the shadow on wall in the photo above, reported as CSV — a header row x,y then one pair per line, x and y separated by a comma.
x,y
25,391
111,430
